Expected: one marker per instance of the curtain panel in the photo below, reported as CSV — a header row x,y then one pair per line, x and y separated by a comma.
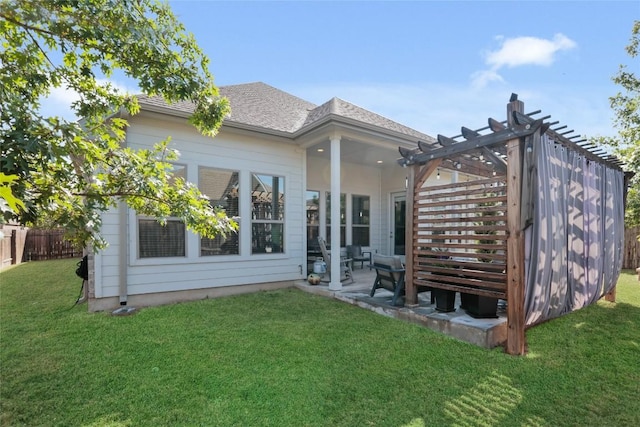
x,y
574,244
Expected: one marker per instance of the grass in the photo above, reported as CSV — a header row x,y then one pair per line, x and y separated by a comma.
x,y
287,358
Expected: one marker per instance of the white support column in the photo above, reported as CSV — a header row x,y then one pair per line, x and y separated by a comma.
x,y
335,284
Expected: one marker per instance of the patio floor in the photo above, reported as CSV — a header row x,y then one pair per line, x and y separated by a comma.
x,y
486,333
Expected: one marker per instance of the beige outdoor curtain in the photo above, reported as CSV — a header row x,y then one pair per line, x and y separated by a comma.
x,y
573,248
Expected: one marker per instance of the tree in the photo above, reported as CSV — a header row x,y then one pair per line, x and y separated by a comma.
x,y
626,106
69,172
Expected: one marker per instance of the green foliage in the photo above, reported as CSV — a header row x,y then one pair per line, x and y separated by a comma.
x,y
8,202
69,172
288,358
626,105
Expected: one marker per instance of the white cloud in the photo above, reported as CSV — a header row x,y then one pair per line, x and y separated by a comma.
x,y
519,51
59,101
528,51
480,79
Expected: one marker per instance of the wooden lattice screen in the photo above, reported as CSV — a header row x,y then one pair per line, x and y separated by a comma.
x,y
460,237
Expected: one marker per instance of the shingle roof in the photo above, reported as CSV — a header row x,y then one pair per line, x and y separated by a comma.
x,y
263,106
158,101
341,108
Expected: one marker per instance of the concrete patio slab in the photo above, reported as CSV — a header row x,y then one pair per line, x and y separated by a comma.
x,y
487,333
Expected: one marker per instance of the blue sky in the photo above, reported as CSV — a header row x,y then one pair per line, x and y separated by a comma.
x,y
431,65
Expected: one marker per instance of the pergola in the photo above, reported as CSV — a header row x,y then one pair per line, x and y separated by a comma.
x,y
535,217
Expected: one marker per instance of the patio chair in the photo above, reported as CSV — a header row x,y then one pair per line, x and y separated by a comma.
x,y
345,263
357,255
389,275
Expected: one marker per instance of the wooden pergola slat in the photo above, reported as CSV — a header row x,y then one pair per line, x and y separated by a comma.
x,y
457,288
461,202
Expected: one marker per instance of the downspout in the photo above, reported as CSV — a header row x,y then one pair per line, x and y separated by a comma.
x,y
305,247
123,238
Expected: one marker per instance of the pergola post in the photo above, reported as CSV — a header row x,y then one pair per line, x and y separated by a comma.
x,y
516,342
411,296
415,180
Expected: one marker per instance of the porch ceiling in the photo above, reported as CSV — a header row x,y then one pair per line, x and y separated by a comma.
x,y
356,152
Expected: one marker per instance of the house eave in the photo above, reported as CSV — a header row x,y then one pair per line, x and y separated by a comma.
x,y
164,110
335,122
230,124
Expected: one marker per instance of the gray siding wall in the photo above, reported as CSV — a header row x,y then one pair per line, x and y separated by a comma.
x,y
226,151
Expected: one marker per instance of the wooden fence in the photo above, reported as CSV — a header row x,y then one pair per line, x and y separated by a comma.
x,y
631,258
48,244
11,244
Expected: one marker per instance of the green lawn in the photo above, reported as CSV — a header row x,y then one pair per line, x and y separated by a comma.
x,y
287,358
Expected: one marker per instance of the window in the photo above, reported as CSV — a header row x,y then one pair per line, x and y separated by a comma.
x,y
267,214
343,218
360,211
313,218
156,240
221,188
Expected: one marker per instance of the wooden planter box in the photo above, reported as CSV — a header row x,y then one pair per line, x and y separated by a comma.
x,y
445,300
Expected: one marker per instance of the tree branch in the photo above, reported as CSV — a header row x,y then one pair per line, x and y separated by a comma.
x,y
27,26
